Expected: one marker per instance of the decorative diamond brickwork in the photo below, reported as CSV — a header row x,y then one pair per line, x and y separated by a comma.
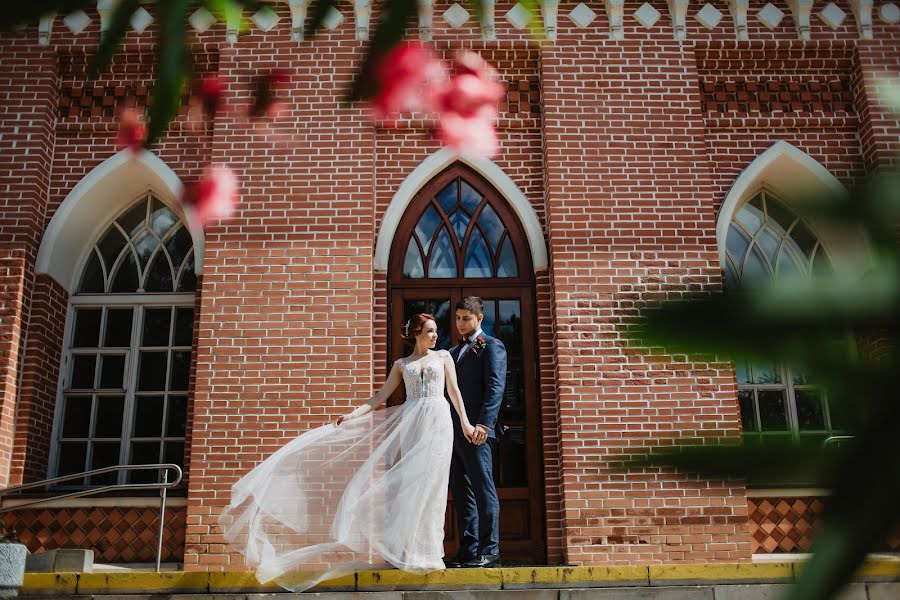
x,y
116,534
780,525
130,78
523,97
756,96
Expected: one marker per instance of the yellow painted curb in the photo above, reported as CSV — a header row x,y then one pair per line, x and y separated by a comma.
x,y
537,577
392,579
726,572
41,583
168,581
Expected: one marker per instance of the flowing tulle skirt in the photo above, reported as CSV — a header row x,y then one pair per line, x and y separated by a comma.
x,y
369,493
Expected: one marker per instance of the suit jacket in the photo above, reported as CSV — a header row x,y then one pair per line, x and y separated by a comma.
x,y
482,378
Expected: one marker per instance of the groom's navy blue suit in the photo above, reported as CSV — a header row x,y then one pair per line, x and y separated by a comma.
x,y
481,375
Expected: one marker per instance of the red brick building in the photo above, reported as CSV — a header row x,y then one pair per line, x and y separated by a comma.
x,y
643,147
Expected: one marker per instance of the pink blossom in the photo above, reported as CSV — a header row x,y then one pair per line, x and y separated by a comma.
x,y
210,93
474,134
467,107
267,100
214,196
401,78
132,131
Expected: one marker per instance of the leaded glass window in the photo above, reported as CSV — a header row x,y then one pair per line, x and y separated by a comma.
x,y
129,351
766,242
459,235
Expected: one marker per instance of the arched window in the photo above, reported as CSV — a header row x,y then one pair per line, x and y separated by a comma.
x,y
459,235
767,241
128,348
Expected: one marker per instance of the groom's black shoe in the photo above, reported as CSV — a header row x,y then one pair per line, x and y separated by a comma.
x,y
458,561
483,560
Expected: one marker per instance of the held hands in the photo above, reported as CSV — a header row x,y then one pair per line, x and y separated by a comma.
x,y
480,436
469,431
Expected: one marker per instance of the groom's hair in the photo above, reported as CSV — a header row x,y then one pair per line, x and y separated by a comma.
x,y
473,304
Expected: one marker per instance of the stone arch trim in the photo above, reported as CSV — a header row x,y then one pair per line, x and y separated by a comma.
x,y
788,171
95,200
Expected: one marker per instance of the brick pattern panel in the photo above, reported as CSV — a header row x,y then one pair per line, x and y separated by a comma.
x,y
774,96
115,534
789,525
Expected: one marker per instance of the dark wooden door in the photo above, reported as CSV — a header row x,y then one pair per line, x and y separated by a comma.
x,y
449,245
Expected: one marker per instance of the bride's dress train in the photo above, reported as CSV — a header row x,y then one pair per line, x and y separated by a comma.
x,y
370,492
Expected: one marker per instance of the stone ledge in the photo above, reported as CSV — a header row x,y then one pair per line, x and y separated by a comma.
x,y
647,577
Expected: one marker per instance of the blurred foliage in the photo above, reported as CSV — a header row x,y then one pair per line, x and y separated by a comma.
x,y
805,323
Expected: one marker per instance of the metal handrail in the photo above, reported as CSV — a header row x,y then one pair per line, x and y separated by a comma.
x,y
161,486
836,439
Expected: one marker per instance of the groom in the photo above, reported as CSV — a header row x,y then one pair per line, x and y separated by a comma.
x,y
481,374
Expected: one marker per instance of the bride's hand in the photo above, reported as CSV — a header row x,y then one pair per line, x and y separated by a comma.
x,y
469,431
343,418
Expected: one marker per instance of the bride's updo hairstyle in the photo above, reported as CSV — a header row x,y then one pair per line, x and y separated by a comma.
x,y
414,326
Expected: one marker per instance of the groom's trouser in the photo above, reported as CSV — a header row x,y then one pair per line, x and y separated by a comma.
x,y
475,497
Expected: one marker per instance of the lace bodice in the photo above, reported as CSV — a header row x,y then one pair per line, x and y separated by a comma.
x,y
424,378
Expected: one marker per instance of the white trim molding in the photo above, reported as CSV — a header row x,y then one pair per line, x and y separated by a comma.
x,y
790,172
96,200
432,166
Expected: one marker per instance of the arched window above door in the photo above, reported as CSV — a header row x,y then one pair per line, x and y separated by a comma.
x,y
461,232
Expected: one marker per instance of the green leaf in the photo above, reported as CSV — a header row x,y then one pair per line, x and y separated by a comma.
x,y
777,459
174,67
110,39
390,32
316,20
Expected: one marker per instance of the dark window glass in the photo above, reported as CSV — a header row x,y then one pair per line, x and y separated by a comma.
x,y
184,327
156,327
92,281
110,410
152,371
105,454
112,372
176,420
188,281
87,327
148,416
111,245
772,411
83,369
159,276
77,417
180,370
144,453
126,279
133,220
118,327
748,411
72,458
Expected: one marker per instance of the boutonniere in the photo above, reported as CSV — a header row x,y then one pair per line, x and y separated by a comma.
x,y
479,345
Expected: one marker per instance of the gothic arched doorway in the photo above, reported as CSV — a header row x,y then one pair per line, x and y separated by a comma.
x,y
459,237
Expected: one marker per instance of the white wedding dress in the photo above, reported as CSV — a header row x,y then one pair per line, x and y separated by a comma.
x,y
368,493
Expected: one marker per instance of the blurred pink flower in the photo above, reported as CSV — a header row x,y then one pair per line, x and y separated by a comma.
x,y
467,107
474,134
214,196
210,93
402,77
267,100
132,131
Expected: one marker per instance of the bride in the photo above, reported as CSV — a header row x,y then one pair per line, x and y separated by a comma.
x,y
368,491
